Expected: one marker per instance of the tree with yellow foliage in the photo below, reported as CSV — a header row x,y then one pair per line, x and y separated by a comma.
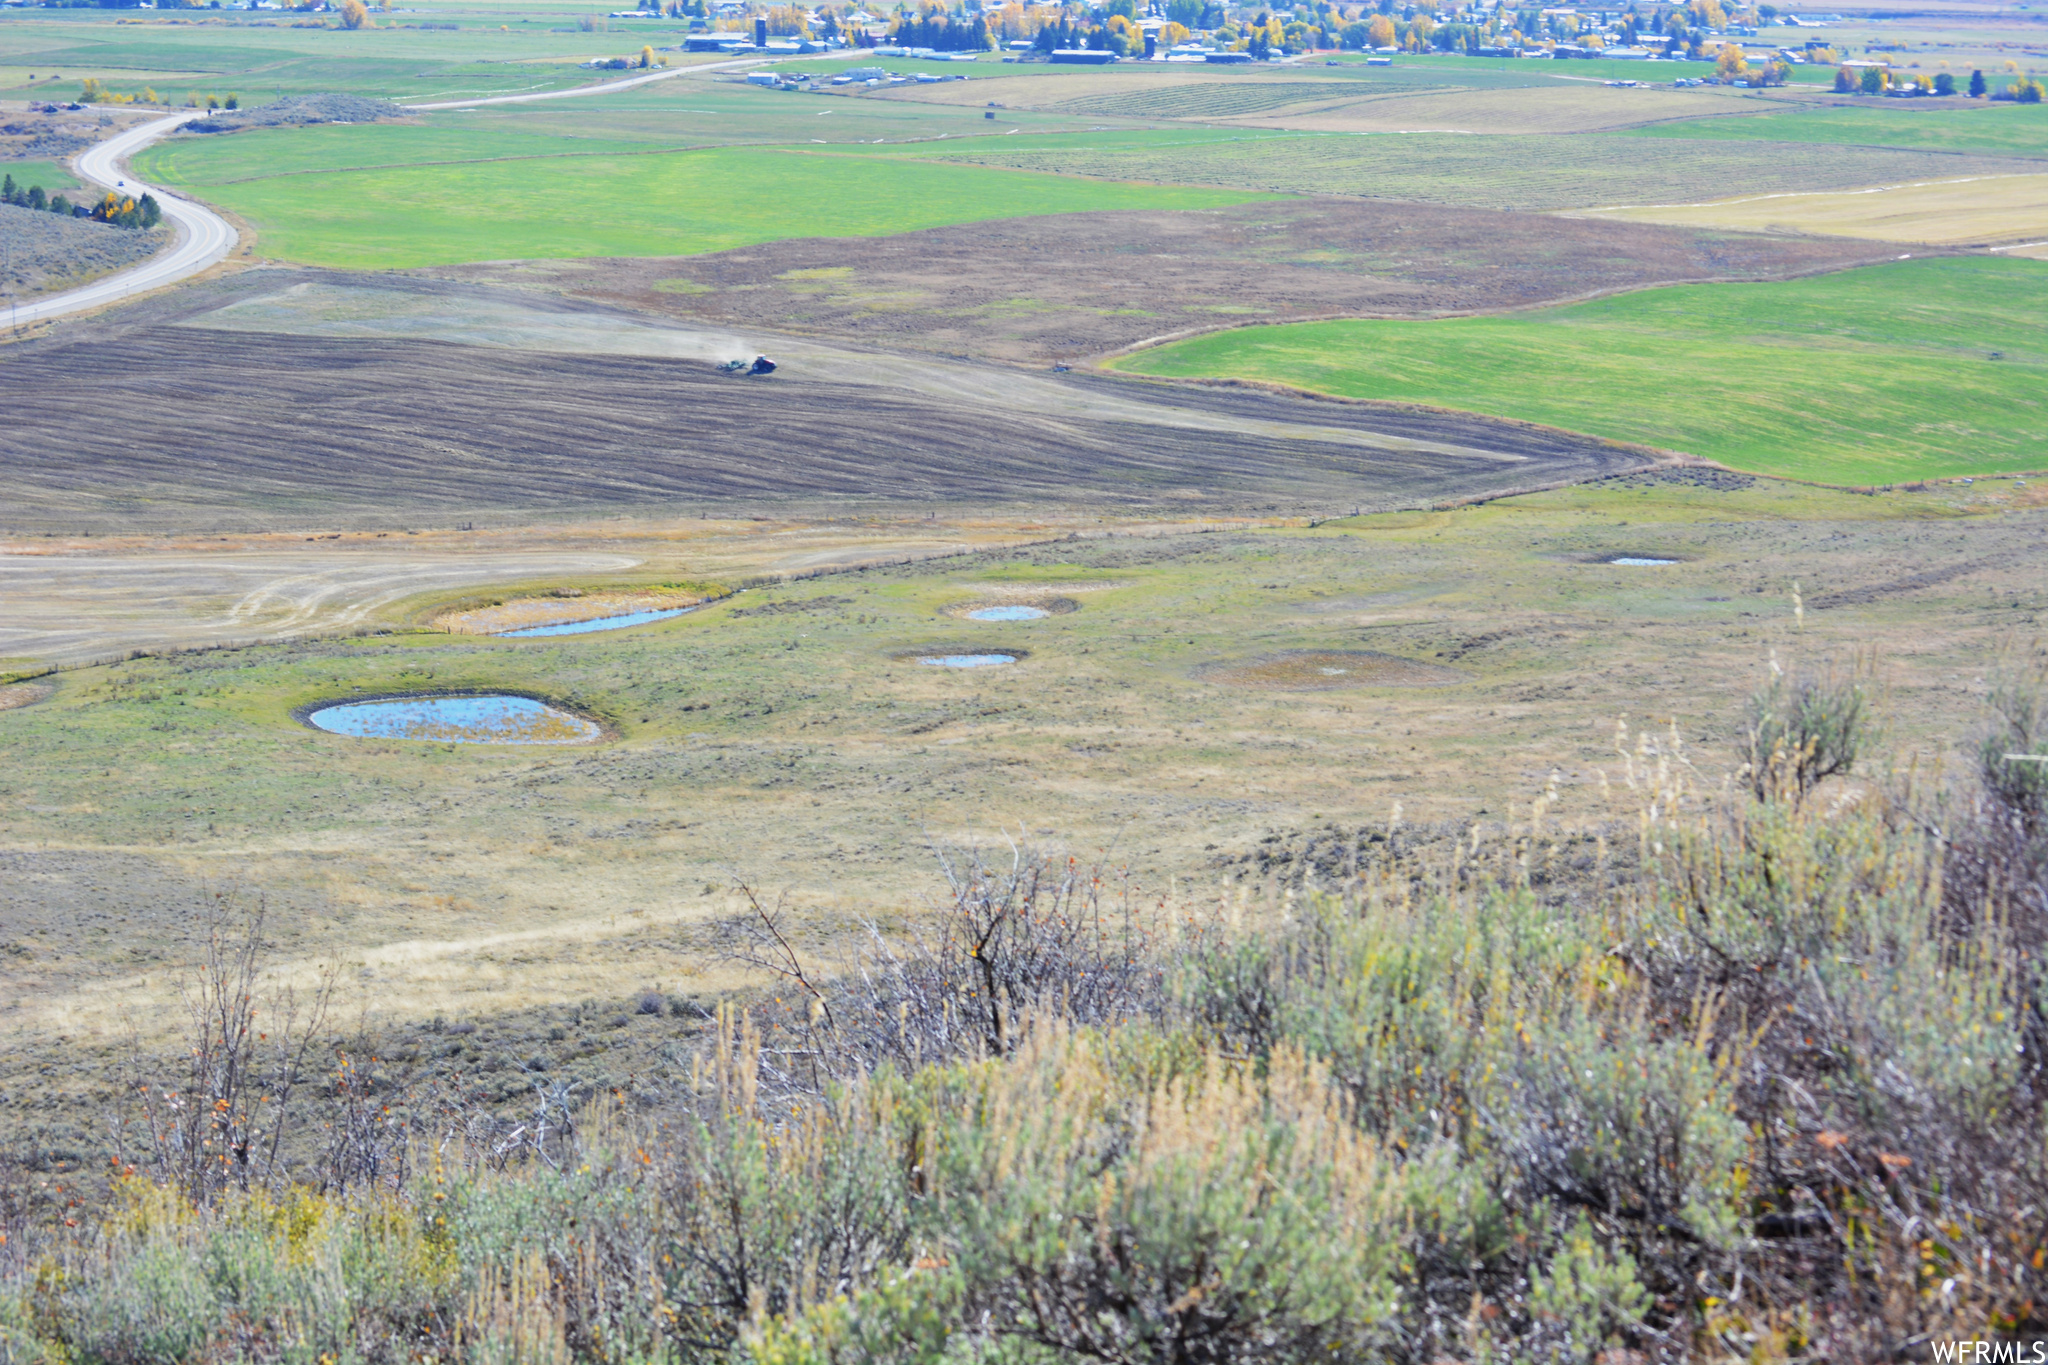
x,y
646,56
789,21
1731,63
1381,31
1172,35
355,15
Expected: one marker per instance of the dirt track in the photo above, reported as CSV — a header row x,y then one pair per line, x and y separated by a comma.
x,y
231,430
72,608
1041,289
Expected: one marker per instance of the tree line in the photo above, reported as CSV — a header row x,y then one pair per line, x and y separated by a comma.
x,y
118,210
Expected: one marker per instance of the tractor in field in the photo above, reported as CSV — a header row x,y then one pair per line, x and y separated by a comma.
x,y
761,364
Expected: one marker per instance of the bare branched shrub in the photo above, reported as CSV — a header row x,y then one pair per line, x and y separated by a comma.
x,y
1034,932
223,1123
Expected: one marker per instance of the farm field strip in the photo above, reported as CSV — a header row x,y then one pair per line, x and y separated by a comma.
x,y
1272,260
1883,374
1984,129
1530,173
1976,209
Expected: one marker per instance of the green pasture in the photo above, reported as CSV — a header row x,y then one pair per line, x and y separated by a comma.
x,y
660,204
48,174
215,160
263,55
1879,375
684,112
1985,128
1523,172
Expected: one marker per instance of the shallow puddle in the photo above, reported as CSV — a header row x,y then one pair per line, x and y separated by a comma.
x,y
1008,613
967,660
493,719
631,618
1640,562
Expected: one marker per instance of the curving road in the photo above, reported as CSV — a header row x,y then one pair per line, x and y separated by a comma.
x,y
625,83
204,237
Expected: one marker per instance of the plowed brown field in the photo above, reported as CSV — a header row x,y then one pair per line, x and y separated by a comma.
x,y
250,429
1039,289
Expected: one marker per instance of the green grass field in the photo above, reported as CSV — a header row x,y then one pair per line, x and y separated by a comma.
x,y
1528,172
262,56
1986,129
664,204
48,174
1871,376
215,161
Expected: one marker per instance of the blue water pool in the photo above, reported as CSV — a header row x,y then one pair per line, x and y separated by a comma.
x,y
456,720
631,618
968,660
1011,613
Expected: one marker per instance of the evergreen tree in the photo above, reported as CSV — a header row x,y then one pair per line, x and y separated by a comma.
x,y
1977,86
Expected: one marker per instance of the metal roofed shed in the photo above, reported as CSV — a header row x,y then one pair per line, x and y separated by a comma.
x,y
1080,56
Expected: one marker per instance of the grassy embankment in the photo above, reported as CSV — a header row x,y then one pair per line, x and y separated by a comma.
x,y
51,176
1879,375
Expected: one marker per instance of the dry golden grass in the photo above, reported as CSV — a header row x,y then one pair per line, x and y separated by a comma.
x,y
23,694
789,747
1968,211
559,609
1326,670
1570,109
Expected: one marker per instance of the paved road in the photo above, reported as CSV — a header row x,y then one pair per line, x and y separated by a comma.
x,y
605,89
204,237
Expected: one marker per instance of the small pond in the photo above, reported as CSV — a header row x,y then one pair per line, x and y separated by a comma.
x,y
631,618
1640,562
967,660
490,719
1007,613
